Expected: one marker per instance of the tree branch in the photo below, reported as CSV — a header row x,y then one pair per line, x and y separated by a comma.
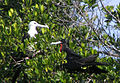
x,y
91,25
109,12
109,53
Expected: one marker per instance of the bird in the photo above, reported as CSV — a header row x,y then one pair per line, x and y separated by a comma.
x,y
30,50
32,28
64,47
31,34
75,62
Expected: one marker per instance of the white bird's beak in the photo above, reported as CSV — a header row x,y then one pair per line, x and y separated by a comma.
x,y
39,25
47,26
59,42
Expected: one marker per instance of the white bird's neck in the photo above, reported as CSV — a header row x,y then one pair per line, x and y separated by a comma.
x,y
32,31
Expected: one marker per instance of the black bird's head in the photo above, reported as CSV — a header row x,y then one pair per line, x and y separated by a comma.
x,y
64,44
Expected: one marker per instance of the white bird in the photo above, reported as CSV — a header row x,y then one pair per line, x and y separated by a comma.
x,y
31,51
32,28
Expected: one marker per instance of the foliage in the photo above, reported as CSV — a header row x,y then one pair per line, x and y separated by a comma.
x,y
65,20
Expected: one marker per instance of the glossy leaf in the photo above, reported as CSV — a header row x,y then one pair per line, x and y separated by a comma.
x,y
42,8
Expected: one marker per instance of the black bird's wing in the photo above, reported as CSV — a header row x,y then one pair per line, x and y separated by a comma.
x,y
89,59
72,54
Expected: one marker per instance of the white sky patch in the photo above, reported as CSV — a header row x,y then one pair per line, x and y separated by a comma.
x,y
111,2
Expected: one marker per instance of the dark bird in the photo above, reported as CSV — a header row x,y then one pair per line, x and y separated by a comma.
x,y
75,62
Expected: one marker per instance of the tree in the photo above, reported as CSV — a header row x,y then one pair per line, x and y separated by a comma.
x,y
84,22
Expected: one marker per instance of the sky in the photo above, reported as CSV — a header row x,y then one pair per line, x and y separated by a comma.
x,y
112,30
111,2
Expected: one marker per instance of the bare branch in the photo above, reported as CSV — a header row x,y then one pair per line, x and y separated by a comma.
x,y
109,53
91,25
109,12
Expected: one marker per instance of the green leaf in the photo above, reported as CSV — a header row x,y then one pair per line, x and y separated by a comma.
x,y
11,10
118,10
42,8
86,36
92,51
2,54
35,13
80,49
82,45
36,71
22,46
15,26
86,52
86,1
23,1
54,7
43,30
36,6
9,13
64,36
69,32
84,67
10,30
30,2
50,69
53,25
46,69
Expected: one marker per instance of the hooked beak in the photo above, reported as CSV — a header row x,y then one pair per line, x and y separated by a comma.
x,y
59,42
44,26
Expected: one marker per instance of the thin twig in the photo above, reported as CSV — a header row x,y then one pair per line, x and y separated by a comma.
x,y
109,53
109,12
90,24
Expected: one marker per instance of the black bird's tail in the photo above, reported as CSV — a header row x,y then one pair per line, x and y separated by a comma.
x,y
96,70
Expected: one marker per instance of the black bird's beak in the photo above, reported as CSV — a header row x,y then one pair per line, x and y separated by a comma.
x,y
59,42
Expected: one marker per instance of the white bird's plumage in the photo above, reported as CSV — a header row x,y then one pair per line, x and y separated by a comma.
x,y
32,28
32,32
